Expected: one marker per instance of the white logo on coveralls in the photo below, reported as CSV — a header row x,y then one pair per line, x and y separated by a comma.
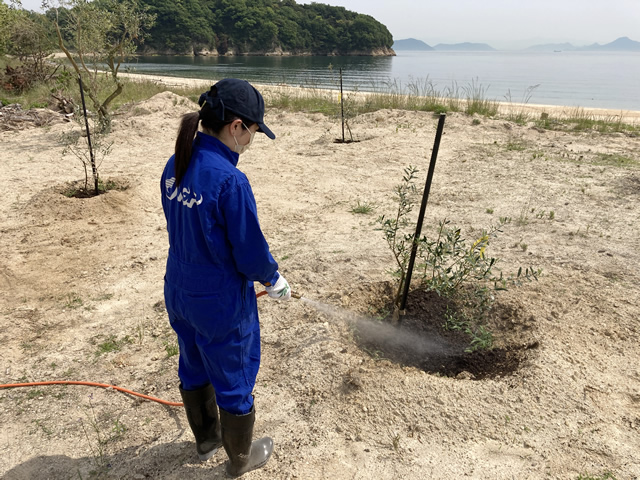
x,y
186,197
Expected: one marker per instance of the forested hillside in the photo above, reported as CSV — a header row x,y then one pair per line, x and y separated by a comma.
x,y
262,27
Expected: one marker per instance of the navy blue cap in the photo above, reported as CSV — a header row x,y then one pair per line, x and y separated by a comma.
x,y
241,98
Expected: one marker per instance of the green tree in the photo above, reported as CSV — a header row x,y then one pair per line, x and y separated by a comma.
x,y
4,27
181,26
31,40
102,32
7,19
262,25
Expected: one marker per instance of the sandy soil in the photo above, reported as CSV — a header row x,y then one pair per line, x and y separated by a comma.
x,y
79,277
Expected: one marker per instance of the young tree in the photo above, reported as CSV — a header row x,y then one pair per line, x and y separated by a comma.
x,y
98,34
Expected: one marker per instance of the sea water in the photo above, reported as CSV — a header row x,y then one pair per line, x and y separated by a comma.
x,y
575,79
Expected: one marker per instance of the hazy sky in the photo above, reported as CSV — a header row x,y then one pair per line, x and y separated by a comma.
x,y
501,23
504,23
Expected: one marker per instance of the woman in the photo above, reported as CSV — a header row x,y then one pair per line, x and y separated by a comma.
x,y
216,252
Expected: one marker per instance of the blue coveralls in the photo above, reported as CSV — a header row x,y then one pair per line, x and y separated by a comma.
x,y
216,252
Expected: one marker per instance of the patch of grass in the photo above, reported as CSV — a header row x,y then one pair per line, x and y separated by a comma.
x,y
362,208
523,218
603,476
171,348
112,344
103,297
376,355
481,336
395,442
99,432
118,429
515,146
614,159
31,394
73,301
106,185
310,101
517,113
489,211
39,105
40,425
477,101
580,120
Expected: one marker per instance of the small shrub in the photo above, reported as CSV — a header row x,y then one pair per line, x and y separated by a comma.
x,y
449,266
393,227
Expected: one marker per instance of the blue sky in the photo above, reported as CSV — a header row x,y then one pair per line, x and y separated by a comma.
x,y
501,23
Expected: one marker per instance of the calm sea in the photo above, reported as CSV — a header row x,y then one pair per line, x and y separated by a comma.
x,y
576,79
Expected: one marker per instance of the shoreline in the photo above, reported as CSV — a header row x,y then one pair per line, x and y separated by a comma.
x,y
608,114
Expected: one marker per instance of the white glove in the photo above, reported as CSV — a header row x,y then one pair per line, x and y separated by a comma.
x,y
281,290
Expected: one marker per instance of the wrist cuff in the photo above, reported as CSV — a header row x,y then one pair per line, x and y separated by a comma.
x,y
272,281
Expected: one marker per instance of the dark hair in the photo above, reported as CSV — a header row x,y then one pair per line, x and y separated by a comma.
x,y
189,128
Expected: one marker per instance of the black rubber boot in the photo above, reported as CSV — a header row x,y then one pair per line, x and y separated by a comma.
x,y
202,413
244,455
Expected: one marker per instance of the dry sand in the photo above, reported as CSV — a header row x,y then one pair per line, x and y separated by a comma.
x,y
77,275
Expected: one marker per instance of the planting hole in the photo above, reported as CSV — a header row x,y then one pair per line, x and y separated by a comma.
x,y
428,338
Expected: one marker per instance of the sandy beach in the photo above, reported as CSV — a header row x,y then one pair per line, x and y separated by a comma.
x,y
82,299
534,110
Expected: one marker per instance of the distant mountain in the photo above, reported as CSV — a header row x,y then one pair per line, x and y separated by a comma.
x,y
552,47
622,44
410,44
464,47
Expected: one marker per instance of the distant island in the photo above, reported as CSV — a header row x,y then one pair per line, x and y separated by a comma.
x,y
622,44
419,45
261,27
411,44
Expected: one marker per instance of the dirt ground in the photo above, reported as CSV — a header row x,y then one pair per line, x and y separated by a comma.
x,y
81,298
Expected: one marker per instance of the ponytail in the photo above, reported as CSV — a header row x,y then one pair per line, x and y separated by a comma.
x,y
184,143
188,129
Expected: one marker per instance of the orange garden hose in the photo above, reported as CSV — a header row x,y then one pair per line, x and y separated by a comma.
x,y
92,384
102,385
